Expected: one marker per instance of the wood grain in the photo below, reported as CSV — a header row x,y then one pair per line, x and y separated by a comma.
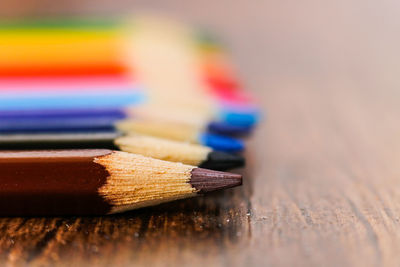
x,y
323,183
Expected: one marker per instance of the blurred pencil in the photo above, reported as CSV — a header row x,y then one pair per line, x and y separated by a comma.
x,y
84,92
180,132
60,100
158,44
69,46
69,49
84,124
218,122
157,148
97,118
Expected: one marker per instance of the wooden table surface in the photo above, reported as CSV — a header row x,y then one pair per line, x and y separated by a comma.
x,y
322,185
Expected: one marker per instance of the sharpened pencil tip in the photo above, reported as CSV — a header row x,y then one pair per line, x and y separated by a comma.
x,y
217,160
207,180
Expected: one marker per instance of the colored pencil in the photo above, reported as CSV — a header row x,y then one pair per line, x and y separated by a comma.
x,y
158,148
223,122
73,84
82,124
106,119
56,125
68,37
68,101
68,50
97,182
238,106
39,93
180,132
97,119
192,154
81,39
159,44
68,93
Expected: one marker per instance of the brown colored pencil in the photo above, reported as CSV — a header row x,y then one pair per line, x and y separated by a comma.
x,y
97,182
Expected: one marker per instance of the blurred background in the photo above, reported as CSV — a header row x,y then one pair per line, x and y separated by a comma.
x,y
322,183
272,38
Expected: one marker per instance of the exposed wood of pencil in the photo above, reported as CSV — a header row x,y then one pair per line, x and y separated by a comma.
x,y
96,182
164,149
158,148
165,112
158,41
175,151
158,128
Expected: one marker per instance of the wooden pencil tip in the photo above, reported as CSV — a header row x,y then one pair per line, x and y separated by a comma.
x,y
207,180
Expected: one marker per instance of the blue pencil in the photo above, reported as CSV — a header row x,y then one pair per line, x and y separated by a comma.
x,y
54,124
218,127
68,101
89,120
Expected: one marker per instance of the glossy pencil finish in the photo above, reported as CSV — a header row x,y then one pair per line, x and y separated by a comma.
x,y
80,120
69,101
59,141
52,124
73,84
117,113
52,51
97,182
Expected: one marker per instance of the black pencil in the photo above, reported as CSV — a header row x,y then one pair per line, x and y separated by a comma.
x,y
154,147
97,182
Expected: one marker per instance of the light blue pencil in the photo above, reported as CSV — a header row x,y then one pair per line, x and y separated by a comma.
x,y
71,101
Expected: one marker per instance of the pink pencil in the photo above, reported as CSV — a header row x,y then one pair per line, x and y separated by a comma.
x,y
52,84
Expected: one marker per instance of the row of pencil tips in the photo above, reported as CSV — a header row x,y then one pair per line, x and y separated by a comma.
x,y
146,86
